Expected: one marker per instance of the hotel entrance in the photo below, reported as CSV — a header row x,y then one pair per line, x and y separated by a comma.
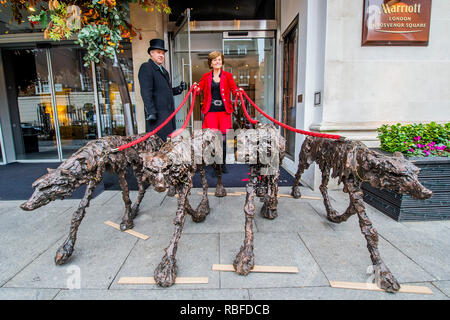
x,y
249,56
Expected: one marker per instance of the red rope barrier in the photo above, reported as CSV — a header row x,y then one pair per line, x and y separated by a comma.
x,y
239,94
148,135
186,121
308,133
252,121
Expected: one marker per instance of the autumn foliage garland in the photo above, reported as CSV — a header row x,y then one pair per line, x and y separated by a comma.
x,y
100,25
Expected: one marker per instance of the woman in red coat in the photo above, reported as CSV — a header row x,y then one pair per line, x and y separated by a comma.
x,y
217,86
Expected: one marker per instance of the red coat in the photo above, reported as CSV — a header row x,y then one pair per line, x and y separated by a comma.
x,y
227,86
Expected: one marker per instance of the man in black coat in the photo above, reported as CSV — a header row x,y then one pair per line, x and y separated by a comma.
x,y
156,90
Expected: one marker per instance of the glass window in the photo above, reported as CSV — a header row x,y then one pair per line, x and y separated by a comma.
x,y
74,98
252,63
181,70
32,106
289,109
112,93
1,145
30,103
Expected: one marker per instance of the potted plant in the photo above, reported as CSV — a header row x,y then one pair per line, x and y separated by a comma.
x,y
428,147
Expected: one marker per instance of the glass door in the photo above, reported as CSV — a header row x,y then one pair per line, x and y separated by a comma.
x,y
251,60
288,114
32,114
2,150
181,66
57,105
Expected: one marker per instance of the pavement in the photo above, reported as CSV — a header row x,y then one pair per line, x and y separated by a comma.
x,y
417,253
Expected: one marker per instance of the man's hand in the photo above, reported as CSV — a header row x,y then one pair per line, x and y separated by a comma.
x,y
151,117
183,85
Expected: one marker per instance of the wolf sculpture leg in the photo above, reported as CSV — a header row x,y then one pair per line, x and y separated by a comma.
x,y
269,208
166,272
261,187
303,165
142,189
245,259
203,208
383,276
127,220
220,189
66,249
332,214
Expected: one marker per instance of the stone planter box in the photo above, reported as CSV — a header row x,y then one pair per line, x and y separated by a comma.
x,y
434,175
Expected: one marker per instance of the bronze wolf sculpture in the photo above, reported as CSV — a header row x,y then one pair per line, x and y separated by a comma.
x,y
353,163
86,166
263,182
175,165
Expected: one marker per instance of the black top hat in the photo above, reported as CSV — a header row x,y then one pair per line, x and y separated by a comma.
x,y
156,44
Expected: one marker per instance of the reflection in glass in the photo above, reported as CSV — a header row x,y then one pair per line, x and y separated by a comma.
x,y
181,71
9,26
31,112
110,101
74,99
251,61
1,144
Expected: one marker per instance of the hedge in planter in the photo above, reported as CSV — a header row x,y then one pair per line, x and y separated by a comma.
x,y
427,146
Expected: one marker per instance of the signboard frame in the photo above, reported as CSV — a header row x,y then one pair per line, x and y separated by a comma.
x,y
396,22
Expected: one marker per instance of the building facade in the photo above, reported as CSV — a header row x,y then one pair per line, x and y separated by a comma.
x,y
301,61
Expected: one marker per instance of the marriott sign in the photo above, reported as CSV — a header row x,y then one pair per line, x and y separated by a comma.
x,y
396,22
401,8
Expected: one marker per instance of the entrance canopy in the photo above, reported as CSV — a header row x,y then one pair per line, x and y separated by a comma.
x,y
207,10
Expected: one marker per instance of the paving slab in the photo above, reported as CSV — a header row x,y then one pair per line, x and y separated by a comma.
x,y
329,293
349,225
382,222
344,256
152,221
271,249
3,209
303,190
151,199
105,196
444,286
155,218
416,252
27,294
11,203
196,254
99,252
227,215
434,229
293,215
25,235
431,253
378,219
140,294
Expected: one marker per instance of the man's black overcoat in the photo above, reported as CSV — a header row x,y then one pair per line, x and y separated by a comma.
x,y
157,94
